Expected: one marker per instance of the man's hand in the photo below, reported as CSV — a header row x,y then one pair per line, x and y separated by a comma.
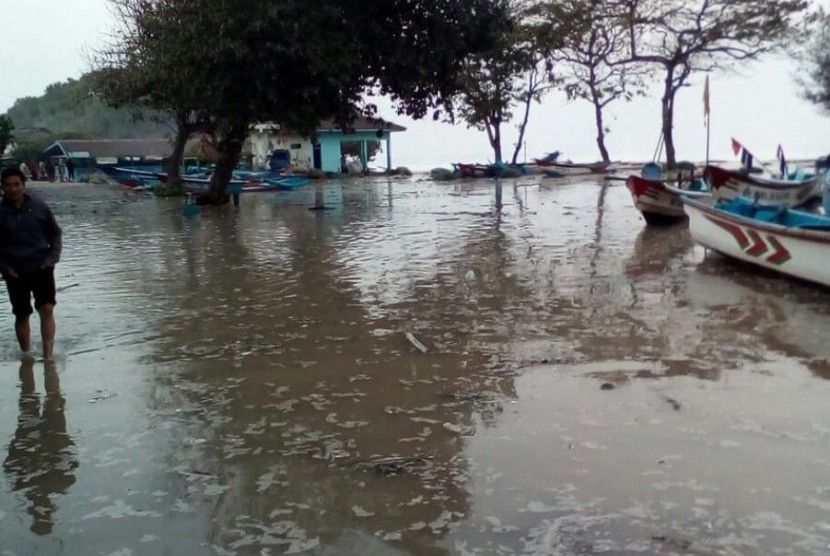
x,y
47,264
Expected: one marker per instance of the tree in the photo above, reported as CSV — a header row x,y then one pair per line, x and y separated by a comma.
x,y
491,85
6,132
587,57
535,86
70,105
237,63
815,58
687,36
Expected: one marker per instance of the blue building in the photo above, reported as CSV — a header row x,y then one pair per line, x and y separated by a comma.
x,y
325,151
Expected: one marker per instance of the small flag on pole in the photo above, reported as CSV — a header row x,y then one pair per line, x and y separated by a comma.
x,y
746,156
782,162
706,102
746,160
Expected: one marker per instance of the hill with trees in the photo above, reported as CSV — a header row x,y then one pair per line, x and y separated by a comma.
x,y
70,109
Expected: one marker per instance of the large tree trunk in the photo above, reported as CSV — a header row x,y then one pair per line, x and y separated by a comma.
x,y
183,132
228,149
600,132
523,126
494,135
668,120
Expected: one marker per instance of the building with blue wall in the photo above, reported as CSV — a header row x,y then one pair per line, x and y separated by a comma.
x,y
325,151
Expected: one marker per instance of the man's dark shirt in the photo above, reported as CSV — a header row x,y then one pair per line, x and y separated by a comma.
x,y
29,236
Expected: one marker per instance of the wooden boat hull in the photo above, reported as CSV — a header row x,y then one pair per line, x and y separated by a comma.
x,y
285,182
472,170
657,204
801,253
132,178
728,184
561,169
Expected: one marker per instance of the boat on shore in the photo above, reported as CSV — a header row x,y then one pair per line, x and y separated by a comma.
x,y
564,169
791,191
782,239
652,196
132,178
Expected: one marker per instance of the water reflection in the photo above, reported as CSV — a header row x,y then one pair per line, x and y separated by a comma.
x,y
41,458
584,388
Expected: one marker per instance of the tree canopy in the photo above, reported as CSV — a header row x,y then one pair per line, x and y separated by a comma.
x,y
233,63
587,56
815,58
69,107
6,132
698,36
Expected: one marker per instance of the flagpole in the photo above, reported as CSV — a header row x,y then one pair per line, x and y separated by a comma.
x,y
708,129
707,115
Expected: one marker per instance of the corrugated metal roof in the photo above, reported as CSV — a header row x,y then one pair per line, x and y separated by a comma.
x,y
148,148
103,148
362,123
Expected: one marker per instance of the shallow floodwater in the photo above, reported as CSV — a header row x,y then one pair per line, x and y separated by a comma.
x,y
410,372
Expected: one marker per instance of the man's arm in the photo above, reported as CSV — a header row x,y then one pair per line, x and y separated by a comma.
x,y
55,235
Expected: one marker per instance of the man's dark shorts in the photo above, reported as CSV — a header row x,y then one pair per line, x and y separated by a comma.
x,y
39,284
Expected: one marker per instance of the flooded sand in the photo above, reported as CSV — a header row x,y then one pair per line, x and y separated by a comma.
x,y
247,382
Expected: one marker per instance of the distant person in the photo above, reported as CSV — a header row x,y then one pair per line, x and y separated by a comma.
x,y
41,171
70,170
61,169
50,169
25,169
30,247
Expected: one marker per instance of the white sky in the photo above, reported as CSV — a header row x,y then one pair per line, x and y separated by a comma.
x,y
760,105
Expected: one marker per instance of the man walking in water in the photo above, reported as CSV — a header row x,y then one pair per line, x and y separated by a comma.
x,y
30,247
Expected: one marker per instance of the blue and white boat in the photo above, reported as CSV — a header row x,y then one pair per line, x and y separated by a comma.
x,y
779,238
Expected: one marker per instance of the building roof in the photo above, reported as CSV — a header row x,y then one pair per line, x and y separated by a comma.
x,y
362,123
99,148
23,134
112,148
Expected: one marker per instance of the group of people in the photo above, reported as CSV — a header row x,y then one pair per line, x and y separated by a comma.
x,y
62,170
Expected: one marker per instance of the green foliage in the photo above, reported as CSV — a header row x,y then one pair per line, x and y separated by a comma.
x,y
32,149
71,107
496,79
6,132
229,64
815,59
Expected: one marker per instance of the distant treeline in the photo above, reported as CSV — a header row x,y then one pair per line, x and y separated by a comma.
x,y
70,110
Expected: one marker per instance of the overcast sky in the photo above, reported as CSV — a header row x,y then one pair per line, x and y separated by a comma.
x,y
45,41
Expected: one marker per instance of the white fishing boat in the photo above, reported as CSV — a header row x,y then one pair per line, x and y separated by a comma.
x,y
782,239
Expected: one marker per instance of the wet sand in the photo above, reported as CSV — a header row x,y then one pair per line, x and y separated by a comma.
x,y
243,382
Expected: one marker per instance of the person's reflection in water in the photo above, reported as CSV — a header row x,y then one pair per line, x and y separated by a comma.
x,y
42,459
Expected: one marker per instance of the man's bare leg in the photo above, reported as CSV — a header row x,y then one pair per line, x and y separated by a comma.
x,y
23,332
47,328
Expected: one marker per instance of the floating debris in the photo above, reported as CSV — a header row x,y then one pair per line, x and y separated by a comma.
x,y
415,342
396,465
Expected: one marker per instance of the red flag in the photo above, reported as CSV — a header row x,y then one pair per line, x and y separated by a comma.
x,y
736,147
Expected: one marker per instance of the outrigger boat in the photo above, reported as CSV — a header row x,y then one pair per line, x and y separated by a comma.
x,y
783,239
791,191
562,169
652,197
133,178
